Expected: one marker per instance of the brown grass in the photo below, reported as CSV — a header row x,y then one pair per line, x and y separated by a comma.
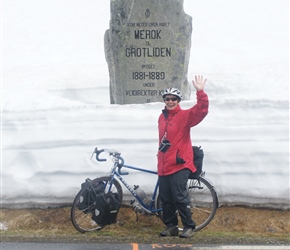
x,y
234,224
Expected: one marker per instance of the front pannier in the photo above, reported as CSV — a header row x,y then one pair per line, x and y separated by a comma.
x,y
106,208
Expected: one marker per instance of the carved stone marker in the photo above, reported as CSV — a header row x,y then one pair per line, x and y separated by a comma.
x,y
147,49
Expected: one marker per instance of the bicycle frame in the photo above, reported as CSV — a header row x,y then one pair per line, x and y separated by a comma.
x,y
151,207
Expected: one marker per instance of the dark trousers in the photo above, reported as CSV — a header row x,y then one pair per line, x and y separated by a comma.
x,y
173,195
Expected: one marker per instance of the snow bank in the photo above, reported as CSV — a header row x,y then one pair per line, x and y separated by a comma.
x,y
55,102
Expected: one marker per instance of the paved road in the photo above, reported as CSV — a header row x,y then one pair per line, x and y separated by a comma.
x,y
132,246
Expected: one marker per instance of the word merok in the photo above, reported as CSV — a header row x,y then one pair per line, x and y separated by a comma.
x,y
147,34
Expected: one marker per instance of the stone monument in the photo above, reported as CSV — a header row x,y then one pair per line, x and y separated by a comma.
x,y
147,49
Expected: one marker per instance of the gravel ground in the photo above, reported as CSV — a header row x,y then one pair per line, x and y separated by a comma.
x,y
231,225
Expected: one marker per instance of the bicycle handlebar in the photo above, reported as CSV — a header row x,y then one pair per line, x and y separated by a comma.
x,y
98,152
120,172
115,154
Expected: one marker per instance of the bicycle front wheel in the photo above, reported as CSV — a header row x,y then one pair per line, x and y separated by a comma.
x,y
81,213
203,202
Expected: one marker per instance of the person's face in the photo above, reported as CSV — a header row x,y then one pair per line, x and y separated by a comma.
x,y
171,102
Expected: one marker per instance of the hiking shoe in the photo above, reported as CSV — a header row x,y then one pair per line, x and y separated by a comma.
x,y
170,231
187,233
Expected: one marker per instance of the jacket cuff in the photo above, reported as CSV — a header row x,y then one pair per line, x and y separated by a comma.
x,y
200,92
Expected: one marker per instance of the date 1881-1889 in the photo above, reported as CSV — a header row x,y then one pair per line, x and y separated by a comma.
x,y
148,75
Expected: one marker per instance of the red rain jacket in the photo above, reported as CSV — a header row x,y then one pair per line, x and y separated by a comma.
x,y
178,127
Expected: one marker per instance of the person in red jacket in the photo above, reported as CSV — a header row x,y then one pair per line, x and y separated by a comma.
x,y
175,156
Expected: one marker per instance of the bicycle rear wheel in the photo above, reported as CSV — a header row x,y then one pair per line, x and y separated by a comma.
x,y
203,202
81,216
